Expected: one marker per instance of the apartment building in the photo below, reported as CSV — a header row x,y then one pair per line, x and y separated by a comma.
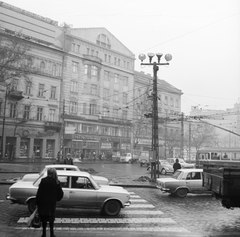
x,y
30,108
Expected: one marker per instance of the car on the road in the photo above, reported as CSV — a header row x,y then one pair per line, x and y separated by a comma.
x,y
164,167
32,177
87,194
126,158
182,182
182,162
144,158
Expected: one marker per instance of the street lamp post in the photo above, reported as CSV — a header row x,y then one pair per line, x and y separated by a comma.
x,y
3,124
155,140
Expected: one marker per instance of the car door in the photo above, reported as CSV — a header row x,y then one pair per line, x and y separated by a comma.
x,y
65,187
82,194
194,181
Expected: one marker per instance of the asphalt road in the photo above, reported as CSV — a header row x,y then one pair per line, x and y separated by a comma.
x,y
152,213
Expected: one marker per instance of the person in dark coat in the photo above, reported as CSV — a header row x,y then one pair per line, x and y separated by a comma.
x,y
49,192
68,160
176,165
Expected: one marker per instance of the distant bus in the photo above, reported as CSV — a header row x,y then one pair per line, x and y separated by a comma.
x,y
222,156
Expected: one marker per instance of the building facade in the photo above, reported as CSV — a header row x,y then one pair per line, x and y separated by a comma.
x,y
30,104
98,81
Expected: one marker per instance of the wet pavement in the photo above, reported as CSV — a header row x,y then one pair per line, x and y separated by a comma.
x,y
152,213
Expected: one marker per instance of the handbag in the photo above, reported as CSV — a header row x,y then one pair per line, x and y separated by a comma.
x,y
34,220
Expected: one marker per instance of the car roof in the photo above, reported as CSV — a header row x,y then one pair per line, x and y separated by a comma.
x,y
61,165
191,170
72,173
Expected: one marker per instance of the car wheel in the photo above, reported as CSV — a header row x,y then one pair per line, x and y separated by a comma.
x,y
141,164
182,192
32,205
163,171
112,208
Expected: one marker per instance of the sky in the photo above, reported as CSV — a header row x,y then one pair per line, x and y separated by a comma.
x,y
203,37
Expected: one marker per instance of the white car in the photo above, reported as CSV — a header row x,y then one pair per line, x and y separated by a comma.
x,y
80,191
32,177
182,162
126,158
182,182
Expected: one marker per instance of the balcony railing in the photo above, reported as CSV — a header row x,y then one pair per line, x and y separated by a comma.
x,y
16,95
53,126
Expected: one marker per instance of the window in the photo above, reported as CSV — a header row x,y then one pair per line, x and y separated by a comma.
x,y
73,47
26,112
105,57
94,71
109,58
92,52
119,62
116,78
74,67
106,94
28,88
177,103
96,53
94,89
42,66
39,113
14,84
78,48
105,111
125,98
115,60
54,70
114,131
166,100
103,41
51,115
41,90
125,81
53,92
115,113
116,97
124,114
93,109
85,87
13,110
74,86
104,130
106,76
84,108
73,107
86,69
171,101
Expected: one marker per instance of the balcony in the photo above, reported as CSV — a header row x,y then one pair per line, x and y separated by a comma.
x,y
53,126
122,121
16,95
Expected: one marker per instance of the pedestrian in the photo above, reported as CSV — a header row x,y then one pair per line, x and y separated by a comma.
x,y
49,192
68,160
82,156
94,156
176,165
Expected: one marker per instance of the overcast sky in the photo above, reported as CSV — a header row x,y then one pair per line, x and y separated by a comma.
x,y
203,37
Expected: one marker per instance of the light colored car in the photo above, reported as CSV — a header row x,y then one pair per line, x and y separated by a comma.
x,y
164,167
87,194
32,177
126,158
182,182
182,162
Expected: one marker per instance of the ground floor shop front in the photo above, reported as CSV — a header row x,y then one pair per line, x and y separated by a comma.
x,y
95,147
31,143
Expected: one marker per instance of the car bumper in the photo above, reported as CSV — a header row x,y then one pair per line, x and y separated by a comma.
x,y
127,204
9,198
163,189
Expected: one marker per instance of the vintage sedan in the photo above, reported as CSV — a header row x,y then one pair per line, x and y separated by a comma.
x,y
84,193
182,162
32,177
182,182
164,167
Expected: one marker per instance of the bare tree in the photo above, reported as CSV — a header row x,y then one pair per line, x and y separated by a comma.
x,y
15,62
202,134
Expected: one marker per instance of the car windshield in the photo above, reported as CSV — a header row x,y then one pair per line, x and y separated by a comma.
x,y
177,175
181,161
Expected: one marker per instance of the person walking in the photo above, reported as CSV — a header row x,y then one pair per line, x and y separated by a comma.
x,y
176,165
68,160
49,192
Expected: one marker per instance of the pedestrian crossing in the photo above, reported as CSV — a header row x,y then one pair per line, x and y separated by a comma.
x,y
139,216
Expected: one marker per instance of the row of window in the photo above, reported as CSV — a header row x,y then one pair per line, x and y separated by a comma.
x,y
15,111
108,75
101,130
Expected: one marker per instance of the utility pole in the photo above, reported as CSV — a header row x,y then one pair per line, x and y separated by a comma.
x,y
155,140
62,155
182,136
189,140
